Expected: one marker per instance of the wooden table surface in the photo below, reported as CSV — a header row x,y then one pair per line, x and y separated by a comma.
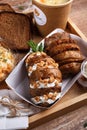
x,y
73,120
77,119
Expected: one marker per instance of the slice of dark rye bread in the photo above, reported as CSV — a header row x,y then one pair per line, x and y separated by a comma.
x,y
15,30
5,7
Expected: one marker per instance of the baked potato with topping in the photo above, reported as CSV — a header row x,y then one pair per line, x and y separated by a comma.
x,y
7,62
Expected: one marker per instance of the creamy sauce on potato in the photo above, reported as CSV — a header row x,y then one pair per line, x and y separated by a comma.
x,y
82,80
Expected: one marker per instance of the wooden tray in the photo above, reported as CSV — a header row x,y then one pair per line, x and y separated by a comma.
x,y
74,98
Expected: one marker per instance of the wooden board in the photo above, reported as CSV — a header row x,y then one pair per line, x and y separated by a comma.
x,y
74,98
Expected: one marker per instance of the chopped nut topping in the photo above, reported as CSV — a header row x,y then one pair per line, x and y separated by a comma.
x,y
53,98
50,95
37,98
51,79
45,97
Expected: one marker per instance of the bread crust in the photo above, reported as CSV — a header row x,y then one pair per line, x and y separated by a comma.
x,y
5,7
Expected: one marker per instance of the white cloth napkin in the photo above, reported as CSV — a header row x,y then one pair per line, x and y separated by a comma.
x,y
9,123
13,123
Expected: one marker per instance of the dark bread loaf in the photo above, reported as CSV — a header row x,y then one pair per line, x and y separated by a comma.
x,y
5,7
15,30
70,68
64,50
68,55
44,77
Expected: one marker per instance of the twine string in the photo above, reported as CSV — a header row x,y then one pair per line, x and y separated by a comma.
x,y
15,107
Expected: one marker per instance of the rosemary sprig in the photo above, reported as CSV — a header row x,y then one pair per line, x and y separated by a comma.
x,y
40,47
35,47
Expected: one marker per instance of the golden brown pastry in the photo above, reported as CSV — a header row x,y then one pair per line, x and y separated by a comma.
x,y
64,50
44,77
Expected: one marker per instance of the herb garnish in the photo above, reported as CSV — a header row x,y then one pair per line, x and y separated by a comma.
x,y
35,47
4,60
21,7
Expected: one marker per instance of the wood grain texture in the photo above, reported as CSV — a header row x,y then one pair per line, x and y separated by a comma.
x,y
79,14
72,121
